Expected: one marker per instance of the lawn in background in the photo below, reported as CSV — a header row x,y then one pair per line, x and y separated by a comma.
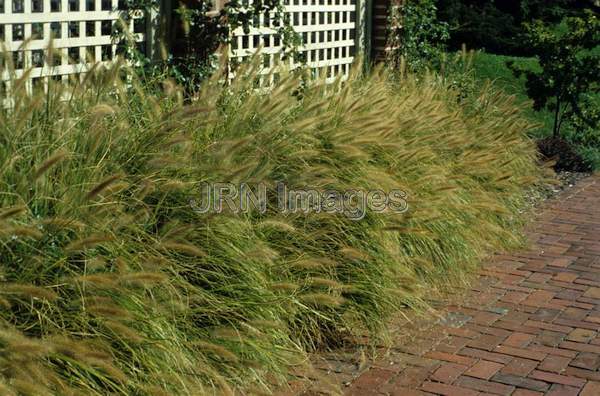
x,y
493,67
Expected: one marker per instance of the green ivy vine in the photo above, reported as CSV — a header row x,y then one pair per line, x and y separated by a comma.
x,y
416,37
197,33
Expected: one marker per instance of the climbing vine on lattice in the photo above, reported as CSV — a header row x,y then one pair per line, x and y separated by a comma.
x,y
198,32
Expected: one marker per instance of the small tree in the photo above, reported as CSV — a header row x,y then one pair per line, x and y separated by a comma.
x,y
569,73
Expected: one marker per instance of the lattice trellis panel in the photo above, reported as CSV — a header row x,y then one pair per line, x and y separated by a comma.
x,y
328,29
81,31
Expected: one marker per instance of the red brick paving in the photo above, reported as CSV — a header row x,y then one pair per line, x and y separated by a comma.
x,y
529,325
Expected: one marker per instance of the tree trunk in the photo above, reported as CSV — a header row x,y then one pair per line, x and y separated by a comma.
x,y
556,131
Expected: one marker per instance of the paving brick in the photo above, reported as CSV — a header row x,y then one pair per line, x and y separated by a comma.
x,y
593,318
592,388
548,326
416,347
485,386
556,378
448,372
576,323
512,326
351,391
520,367
563,390
587,361
418,361
540,277
449,357
486,342
565,277
412,377
570,294
593,292
545,315
516,316
577,346
583,305
488,330
581,373
452,344
514,297
572,313
581,335
462,332
484,369
553,351
539,296
406,392
526,392
485,355
561,262
447,390
519,340
485,318
520,352
373,378
550,338
521,382
554,364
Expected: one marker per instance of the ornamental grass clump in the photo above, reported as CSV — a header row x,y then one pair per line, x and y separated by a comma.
x,y
111,282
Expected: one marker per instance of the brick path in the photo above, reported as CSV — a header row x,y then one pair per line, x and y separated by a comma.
x,y
528,326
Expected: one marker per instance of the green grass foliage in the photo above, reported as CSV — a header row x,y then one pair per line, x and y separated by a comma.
x,y
111,283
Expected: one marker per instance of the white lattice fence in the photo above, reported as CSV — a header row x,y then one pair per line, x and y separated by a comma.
x,y
328,29
81,31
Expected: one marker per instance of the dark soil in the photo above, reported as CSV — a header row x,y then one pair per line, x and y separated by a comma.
x,y
565,155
